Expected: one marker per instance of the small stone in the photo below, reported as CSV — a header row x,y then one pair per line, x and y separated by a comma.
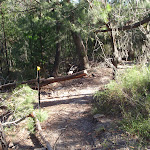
x,y
40,148
97,117
11,144
106,120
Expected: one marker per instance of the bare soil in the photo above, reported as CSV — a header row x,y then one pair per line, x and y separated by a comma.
x,y
70,125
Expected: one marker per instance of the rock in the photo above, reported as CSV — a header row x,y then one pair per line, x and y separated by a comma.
x,y
106,120
97,117
40,148
11,144
1,111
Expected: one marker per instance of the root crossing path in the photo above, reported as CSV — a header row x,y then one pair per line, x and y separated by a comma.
x,y
70,124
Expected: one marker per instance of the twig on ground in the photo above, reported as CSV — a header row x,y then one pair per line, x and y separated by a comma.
x,y
13,122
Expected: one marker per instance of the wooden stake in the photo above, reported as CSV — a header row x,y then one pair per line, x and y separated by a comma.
x,y
38,77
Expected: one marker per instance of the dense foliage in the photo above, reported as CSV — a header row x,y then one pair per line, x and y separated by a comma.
x,y
20,102
59,34
128,97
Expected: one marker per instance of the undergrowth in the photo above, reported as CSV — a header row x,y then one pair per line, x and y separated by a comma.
x,y
128,97
22,100
21,103
40,115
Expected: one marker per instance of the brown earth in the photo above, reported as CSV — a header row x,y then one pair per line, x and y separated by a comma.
x,y
70,125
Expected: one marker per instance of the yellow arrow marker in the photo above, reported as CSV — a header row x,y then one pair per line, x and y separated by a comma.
x,y
38,68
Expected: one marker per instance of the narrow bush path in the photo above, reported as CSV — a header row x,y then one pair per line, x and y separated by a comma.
x,y
70,124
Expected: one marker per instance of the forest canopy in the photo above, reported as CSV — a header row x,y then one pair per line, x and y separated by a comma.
x,y
57,35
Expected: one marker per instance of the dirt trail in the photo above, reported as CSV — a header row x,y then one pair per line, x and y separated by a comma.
x,y
70,123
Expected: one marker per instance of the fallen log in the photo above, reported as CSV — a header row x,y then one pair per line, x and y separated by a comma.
x,y
135,25
64,78
39,129
47,81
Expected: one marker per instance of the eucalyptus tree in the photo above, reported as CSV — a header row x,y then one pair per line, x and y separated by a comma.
x,y
120,18
79,26
53,34
4,50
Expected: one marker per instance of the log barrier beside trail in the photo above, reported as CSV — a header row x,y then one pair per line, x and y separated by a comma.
x,y
44,82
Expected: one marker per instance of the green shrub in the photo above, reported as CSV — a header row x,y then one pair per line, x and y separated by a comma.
x,y
41,115
31,125
138,126
129,97
22,101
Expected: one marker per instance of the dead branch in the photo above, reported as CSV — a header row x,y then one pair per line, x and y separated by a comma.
x,y
39,129
13,122
68,77
47,81
7,86
135,25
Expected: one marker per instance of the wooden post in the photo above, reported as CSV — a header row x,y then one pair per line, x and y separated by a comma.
x,y
38,77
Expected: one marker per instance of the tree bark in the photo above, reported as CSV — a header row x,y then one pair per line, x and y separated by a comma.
x,y
5,42
69,77
57,55
44,82
4,56
115,58
135,25
81,51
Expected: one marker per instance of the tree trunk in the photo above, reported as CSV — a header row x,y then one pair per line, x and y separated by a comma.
x,y
81,51
40,38
115,50
57,55
47,81
57,60
132,26
115,58
5,42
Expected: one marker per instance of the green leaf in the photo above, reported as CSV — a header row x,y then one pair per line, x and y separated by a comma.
x,y
105,16
108,7
29,36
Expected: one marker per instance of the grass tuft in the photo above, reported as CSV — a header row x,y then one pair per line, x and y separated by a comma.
x,y
128,97
41,115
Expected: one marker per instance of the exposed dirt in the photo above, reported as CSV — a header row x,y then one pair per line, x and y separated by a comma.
x,y
70,125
